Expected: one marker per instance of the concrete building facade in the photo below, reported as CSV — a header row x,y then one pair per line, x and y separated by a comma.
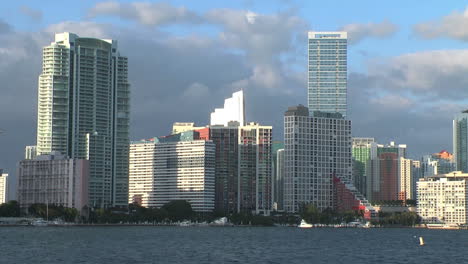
x,y
166,170
53,179
244,173
443,198
233,110
3,187
316,150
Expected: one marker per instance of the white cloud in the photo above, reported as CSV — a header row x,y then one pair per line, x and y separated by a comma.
x,y
453,25
429,74
151,14
358,32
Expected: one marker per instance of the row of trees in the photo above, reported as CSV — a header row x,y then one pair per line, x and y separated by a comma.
x,y
176,211
311,214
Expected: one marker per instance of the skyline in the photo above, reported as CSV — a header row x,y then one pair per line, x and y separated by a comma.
x,y
250,46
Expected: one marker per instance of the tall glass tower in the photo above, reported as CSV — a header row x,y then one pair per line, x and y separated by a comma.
x,y
327,72
83,111
460,141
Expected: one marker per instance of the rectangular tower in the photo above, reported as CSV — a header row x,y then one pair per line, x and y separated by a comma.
x,y
3,187
327,72
83,111
316,150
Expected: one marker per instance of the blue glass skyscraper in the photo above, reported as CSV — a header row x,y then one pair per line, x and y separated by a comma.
x,y
327,72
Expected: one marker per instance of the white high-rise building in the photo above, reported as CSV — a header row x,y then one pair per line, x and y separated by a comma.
x,y
3,187
161,172
316,150
327,72
443,198
405,178
83,111
233,110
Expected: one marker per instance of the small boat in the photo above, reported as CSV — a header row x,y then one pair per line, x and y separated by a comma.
x,y
185,223
39,222
304,224
421,241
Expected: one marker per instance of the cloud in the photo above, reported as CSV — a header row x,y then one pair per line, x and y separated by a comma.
x,y
358,32
34,14
431,75
151,14
4,27
453,25
410,98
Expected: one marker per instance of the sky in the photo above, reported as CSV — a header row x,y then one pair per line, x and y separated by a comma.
x,y
407,62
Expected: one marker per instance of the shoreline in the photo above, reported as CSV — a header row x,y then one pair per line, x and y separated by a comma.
x,y
214,225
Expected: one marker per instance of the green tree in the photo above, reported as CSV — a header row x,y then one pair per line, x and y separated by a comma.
x,y
178,210
310,213
10,209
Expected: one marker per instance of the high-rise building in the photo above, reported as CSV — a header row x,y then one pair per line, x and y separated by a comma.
x,y
460,141
233,110
416,174
327,72
30,152
279,180
383,181
443,198
244,179
3,187
53,179
83,111
173,168
361,157
405,178
316,150
437,163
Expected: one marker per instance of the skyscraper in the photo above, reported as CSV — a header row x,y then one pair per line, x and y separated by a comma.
x,y
243,172
316,150
327,72
233,110
83,111
361,156
460,141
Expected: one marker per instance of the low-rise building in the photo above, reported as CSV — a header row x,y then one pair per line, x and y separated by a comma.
x,y
53,179
443,198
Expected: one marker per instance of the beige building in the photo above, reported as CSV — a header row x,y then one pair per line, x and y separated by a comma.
x,y
53,179
3,187
443,198
405,179
179,127
161,172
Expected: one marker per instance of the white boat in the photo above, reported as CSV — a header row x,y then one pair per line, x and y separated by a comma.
x,y
40,222
185,223
304,224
